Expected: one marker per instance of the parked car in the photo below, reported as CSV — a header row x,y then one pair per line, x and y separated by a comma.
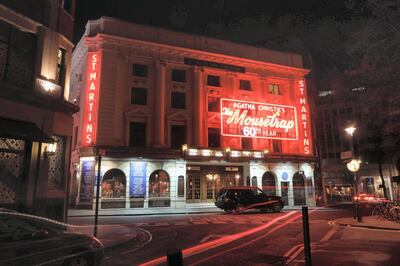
x,y
368,199
32,240
246,197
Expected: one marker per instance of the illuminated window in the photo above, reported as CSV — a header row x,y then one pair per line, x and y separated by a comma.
x,y
213,81
159,184
277,145
274,89
213,104
246,144
139,70
178,75
178,136
245,85
139,96
178,100
114,184
214,138
137,134
60,75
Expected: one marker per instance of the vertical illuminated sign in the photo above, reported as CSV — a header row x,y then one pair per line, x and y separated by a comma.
x,y
304,117
91,98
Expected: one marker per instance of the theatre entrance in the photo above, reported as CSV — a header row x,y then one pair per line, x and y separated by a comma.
x,y
203,181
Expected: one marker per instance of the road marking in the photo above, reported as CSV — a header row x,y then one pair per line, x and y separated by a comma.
x,y
293,249
208,237
329,234
218,242
141,245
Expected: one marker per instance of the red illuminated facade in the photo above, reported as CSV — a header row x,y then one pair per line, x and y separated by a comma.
x,y
91,99
180,116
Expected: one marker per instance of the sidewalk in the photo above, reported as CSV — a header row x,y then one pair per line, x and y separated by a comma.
x,y
158,211
373,222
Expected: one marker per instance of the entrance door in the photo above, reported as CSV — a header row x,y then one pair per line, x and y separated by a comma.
x,y
193,188
299,192
212,186
285,192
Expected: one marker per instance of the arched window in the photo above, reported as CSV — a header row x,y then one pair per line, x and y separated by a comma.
x,y
254,181
268,183
113,185
181,186
299,192
248,181
159,184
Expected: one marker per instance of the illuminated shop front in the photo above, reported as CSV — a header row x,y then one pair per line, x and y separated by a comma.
x,y
177,122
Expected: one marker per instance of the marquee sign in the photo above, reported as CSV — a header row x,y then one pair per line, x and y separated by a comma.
x,y
91,99
258,120
304,117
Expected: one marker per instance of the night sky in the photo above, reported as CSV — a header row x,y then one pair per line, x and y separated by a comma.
x,y
198,16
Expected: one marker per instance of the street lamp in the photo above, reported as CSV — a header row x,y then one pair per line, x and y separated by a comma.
x,y
353,166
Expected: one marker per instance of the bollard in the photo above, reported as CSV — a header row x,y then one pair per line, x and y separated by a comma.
x,y
306,234
359,213
174,257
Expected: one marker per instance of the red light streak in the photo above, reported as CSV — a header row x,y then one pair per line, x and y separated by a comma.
x,y
218,242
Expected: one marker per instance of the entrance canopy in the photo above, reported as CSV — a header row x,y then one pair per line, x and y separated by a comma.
x,y
14,129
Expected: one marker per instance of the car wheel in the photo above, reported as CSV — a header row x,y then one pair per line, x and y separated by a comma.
x,y
238,207
276,207
79,261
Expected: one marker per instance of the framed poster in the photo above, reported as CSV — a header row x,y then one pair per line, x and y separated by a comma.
x,y
137,178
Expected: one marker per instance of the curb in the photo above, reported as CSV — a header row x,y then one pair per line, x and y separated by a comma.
x,y
368,226
142,214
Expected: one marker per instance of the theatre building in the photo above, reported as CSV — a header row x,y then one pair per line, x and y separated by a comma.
x,y
175,117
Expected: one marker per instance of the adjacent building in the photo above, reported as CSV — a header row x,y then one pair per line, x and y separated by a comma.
x,y
172,117
375,122
35,115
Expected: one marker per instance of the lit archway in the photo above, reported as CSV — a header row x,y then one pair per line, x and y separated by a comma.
x,y
268,182
299,192
113,185
159,189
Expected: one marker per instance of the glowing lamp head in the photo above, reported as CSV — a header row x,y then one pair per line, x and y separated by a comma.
x,y
350,130
184,147
227,149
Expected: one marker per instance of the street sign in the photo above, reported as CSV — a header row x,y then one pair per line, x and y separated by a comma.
x,y
346,155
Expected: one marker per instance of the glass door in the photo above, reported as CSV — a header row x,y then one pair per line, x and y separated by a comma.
x,y
193,188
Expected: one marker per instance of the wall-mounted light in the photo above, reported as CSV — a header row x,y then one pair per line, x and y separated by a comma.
x,y
184,147
266,151
50,149
227,149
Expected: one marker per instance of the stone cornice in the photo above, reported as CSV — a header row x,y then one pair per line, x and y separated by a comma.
x,y
127,43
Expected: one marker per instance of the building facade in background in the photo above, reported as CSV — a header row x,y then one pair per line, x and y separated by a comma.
x,y
376,138
35,115
177,116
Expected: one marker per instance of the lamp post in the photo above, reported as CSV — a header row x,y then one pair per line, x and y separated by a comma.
x,y
353,166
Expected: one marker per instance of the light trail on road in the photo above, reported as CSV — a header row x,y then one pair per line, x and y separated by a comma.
x,y
218,242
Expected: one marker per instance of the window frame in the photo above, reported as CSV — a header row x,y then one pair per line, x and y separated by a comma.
x,y
274,89
145,70
177,70
208,137
176,105
245,81
209,79
133,95
130,143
